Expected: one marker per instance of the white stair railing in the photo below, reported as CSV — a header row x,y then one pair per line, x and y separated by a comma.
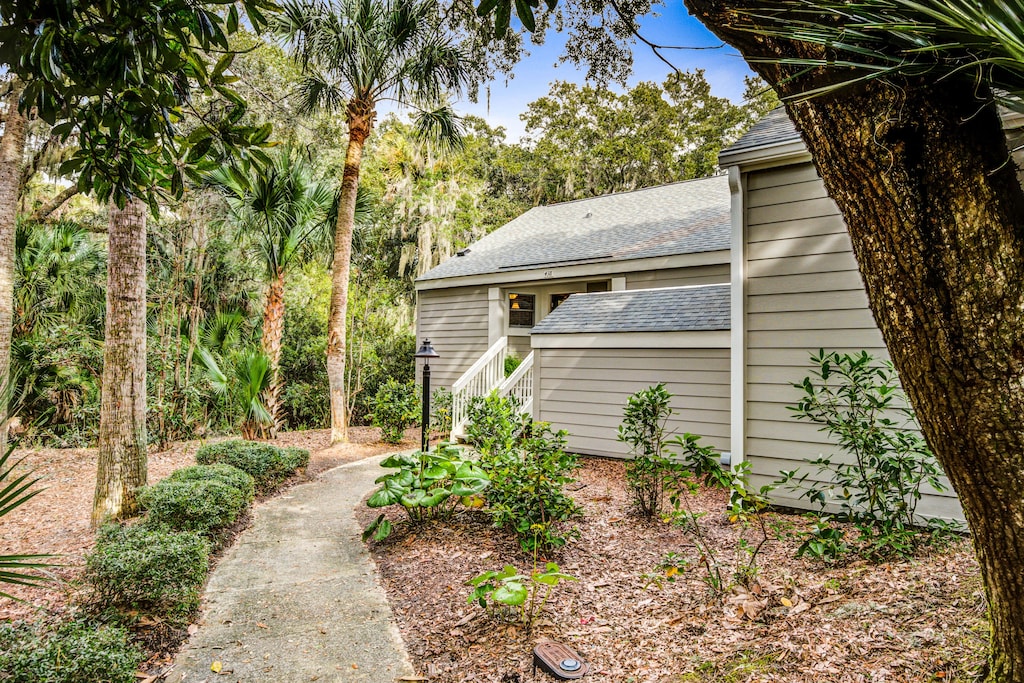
x,y
486,374
520,385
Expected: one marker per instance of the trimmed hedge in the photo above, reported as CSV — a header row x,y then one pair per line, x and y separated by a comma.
x,y
71,652
269,465
232,476
155,571
201,505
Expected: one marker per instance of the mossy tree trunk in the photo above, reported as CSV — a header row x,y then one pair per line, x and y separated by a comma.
x,y
121,466
935,211
12,153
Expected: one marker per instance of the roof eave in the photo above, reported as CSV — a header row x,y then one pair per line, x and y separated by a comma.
x,y
775,154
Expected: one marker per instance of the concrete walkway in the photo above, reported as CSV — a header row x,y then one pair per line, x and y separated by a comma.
x,y
297,598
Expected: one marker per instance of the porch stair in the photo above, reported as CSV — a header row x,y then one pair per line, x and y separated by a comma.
x,y
487,374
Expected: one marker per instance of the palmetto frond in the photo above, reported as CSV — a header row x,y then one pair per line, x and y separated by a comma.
x,y
16,490
871,39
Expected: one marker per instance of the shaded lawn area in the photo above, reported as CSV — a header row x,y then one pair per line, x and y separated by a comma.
x,y
916,620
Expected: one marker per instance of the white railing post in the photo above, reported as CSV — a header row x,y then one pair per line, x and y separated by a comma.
x,y
484,375
520,385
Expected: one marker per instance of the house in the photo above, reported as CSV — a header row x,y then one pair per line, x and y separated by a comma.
x,y
720,287
641,263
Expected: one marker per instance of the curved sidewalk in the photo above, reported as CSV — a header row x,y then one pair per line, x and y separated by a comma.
x,y
297,597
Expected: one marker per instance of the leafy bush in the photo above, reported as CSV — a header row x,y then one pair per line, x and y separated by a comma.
x,y
859,402
152,570
494,422
396,407
201,505
511,362
441,410
427,486
71,652
643,428
269,465
230,475
512,596
526,493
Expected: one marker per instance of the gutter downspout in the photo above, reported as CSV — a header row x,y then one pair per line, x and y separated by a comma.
x,y
737,308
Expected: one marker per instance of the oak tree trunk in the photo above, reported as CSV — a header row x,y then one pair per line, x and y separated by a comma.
x,y
360,122
922,175
273,333
12,152
121,467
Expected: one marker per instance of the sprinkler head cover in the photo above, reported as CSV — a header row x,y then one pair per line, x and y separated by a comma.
x,y
559,660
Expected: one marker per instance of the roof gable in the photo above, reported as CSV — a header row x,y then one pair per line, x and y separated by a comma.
x,y
680,218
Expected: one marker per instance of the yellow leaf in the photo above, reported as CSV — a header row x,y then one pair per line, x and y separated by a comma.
x,y
733,518
671,571
786,601
216,667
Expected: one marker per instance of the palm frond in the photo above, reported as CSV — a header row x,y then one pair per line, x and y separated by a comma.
x,y
16,490
440,126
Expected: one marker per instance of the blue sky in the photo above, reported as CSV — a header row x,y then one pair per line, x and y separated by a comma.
x,y
531,79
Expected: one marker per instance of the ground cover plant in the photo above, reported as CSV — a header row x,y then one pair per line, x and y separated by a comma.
x,y
72,651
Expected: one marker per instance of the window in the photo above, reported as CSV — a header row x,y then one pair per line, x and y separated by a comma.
x,y
601,286
520,309
557,299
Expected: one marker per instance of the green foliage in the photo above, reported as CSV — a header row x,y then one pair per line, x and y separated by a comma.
x,y
426,485
511,362
268,465
154,571
232,476
244,388
877,482
441,410
127,120
493,423
527,492
396,407
16,490
643,428
201,505
70,652
512,596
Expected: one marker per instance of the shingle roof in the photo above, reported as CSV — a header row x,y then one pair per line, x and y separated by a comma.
x,y
775,128
673,309
681,218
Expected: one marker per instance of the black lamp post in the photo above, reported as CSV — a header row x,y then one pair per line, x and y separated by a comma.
x,y
426,352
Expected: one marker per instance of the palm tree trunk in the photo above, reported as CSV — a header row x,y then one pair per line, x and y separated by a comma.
x,y
358,131
121,466
273,332
12,152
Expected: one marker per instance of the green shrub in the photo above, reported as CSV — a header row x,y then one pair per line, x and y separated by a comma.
x,y
441,410
151,570
643,428
396,407
427,486
493,423
230,475
527,494
858,401
71,652
269,465
202,505
511,362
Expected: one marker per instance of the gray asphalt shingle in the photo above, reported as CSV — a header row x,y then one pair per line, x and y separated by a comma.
x,y
775,128
680,218
673,309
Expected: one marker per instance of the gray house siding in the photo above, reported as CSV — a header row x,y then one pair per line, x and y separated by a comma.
x,y
803,292
679,277
584,391
455,320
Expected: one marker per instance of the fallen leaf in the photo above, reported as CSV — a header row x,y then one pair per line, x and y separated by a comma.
x,y
193,629
216,667
412,678
261,624
786,601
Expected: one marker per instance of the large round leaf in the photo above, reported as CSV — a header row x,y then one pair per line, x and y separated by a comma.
x,y
510,593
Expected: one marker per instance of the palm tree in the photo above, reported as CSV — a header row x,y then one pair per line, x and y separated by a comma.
x,y
283,213
355,54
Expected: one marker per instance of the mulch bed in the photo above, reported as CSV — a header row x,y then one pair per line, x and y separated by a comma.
x,y
917,620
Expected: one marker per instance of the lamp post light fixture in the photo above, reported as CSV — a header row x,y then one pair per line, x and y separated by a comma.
x,y
426,352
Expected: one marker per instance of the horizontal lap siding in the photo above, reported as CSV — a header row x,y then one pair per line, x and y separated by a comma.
x,y
679,277
803,293
455,320
584,391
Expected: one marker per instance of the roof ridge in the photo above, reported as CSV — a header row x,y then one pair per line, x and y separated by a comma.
x,y
625,192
